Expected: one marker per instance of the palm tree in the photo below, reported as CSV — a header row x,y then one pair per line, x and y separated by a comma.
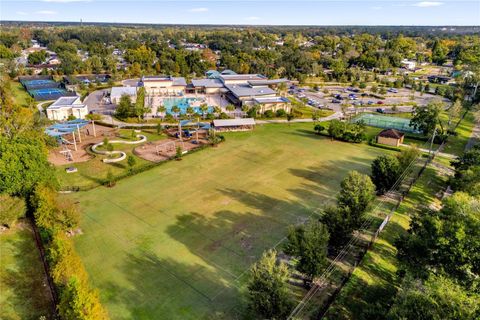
x,y
204,109
190,112
245,109
217,110
162,109
176,110
230,108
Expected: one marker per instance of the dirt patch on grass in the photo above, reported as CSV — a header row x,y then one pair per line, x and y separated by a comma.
x,y
162,150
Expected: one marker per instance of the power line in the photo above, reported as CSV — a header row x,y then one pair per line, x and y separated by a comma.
x,y
353,241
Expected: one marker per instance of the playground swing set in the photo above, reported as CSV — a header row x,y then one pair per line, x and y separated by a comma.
x,y
61,130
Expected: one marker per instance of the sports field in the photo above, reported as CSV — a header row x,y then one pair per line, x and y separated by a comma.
x,y
175,242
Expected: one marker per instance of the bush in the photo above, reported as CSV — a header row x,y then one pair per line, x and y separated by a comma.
x,y
349,132
281,113
268,114
11,209
52,213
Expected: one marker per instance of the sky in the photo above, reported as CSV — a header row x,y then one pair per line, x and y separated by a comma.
x,y
249,12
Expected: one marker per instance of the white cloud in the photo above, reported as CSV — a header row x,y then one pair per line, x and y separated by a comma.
x,y
198,10
21,13
46,12
252,18
427,4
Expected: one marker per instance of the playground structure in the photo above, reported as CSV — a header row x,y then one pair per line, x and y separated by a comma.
x,y
197,129
73,151
61,130
122,154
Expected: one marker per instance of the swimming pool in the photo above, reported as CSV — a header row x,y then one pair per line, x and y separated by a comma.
x,y
183,104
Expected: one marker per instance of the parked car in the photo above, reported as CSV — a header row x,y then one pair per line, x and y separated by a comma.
x,y
380,102
392,90
381,110
370,102
335,101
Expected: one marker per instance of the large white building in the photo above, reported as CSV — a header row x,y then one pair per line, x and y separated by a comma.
x,y
117,92
164,86
64,107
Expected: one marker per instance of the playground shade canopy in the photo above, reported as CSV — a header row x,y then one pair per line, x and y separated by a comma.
x,y
67,127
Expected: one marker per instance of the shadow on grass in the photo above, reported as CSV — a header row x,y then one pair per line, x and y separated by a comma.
x,y
30,298
156,288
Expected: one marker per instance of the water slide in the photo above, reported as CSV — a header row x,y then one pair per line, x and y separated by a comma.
x,y
122,154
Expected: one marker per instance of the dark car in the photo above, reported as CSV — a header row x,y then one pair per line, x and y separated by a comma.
x,y
380,102
335,101
380,110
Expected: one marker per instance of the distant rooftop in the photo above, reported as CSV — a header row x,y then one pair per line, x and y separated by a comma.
x,y
245,77
207,83
120,91
177,81
249,91
62,102
266,82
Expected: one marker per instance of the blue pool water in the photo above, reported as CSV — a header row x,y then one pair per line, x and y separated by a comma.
x,y
183,104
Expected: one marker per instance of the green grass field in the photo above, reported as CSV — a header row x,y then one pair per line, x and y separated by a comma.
x,y
19,93
23,286
374,281
176,241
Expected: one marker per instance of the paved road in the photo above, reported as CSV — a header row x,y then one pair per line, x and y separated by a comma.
x,y
441,154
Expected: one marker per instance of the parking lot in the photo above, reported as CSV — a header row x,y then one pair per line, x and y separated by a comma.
x,y
353,97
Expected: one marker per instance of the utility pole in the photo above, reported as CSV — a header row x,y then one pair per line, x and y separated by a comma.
x,y
431,143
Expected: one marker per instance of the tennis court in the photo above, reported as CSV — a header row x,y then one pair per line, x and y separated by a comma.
x,y
386,122
47,93
38,82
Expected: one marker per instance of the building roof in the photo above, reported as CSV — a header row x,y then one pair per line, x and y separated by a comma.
x,y
177,81
234,122
212,74
228,72
120,91
65,101
249,91
391,133
207,83
244,77
271,100
267,82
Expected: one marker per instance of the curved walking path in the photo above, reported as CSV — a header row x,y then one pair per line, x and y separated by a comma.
x,y
122,154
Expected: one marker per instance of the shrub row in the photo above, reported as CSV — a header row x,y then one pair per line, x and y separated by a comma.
x,y
54,217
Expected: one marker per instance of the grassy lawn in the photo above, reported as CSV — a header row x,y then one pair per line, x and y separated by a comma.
x,y
374,281
456,144
23,286
19,93
175,241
